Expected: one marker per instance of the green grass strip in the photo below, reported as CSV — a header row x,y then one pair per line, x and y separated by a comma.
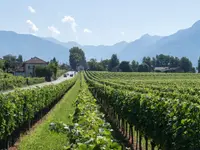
x,y
41,138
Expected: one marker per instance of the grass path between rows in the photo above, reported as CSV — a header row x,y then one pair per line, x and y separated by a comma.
x,y
41,138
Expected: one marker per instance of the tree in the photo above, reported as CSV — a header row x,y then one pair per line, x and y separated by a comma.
x,y
174,62
43,71
94,65
162,60
147,60
76,58
20,59
134,65
143,68
2,63
186,64
113,63
198,68
153,62
64,66
125,66
10,63
193,70
54,61
105,64
7,66
53,65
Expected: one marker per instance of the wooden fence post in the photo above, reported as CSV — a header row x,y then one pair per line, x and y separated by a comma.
x,y
122,127
136,139
146,143
140,141
153,145
126,129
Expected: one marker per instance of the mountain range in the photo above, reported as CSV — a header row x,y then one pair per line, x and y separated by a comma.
x,y
185,42
30,46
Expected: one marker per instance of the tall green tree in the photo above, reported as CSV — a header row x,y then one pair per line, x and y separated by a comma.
x,y
54,61
19,59
92,64
53,66
153,62
76,58
43,71
113,63
143,68
198,68
95,66
186,64
125,66
162,60
174,62
10,63
2,63
193,70
105,64
147,60
134,65
64,66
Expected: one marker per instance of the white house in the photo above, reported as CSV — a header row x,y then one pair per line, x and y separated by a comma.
x,y
30,65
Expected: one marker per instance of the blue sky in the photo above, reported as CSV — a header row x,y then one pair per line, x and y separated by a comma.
x,y
97,22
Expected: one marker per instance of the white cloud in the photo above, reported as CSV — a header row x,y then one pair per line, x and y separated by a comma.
x,y
53,30
32,26
122,33
71,21
87,30
31,9
68,19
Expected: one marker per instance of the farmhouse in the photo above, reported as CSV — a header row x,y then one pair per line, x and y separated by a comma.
x,y
167,69
28,67
19,71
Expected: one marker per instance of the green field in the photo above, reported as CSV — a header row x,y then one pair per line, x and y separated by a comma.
x,y
149,110
163,107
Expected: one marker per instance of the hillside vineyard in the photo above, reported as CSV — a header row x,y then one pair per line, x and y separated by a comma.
x,y
160,110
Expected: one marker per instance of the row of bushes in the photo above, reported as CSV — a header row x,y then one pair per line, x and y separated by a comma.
x,y
20,106
89,130
11,82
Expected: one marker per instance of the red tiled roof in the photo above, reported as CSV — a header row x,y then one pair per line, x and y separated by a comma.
x,y
35,60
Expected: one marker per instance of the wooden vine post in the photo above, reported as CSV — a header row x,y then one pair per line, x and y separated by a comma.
x,y
146,143
153,145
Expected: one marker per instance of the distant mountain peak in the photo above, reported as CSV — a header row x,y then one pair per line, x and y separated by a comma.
x,y
29,46
68,44
196,24
146,36
121,43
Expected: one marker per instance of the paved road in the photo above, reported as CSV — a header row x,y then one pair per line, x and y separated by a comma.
x,y
59,80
